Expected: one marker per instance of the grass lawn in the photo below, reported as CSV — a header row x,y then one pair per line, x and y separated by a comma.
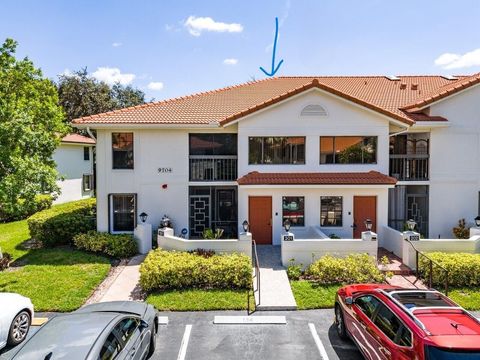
x,y
57,279
199,300
313,296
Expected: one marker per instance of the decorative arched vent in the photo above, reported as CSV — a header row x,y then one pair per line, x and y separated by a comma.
x,y
313,110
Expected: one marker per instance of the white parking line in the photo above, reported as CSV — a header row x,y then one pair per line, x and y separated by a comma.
x,y
318,342
229,320
183,346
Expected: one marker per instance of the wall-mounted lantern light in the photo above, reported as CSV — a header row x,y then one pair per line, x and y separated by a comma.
x,y
245,225
477,221
368,224
287,225
143,216
411,224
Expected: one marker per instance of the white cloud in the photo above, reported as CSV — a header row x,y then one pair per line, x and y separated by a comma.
x,y
196,25
117,44
112,76
458,61
66,72
230,61
155,85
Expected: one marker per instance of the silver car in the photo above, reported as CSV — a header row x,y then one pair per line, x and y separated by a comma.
x,y
110,330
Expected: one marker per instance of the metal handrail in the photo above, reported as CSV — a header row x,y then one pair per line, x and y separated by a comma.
x,y
255,277
431,262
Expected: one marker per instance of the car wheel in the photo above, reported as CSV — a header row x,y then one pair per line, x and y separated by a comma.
x,y
153,341
340,323
19,328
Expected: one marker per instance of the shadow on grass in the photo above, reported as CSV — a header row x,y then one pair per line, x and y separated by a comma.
x,y
59,256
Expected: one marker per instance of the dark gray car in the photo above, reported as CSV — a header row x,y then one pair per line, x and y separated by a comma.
x,y
110,330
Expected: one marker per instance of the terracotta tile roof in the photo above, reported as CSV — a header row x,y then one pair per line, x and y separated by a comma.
x,y
317,178
77,138
227,104
424,117
442,92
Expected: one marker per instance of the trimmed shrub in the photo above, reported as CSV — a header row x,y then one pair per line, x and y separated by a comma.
x,y
463,268
23,209
5,261
163,270
355,268
118,246
58,225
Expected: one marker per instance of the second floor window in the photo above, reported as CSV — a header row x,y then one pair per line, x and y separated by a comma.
x,y
122,150
276,150
348,150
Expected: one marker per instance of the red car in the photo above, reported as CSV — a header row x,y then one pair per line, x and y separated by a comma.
x,y
394,323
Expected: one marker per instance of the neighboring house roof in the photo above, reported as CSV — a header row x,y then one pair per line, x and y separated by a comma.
x,y
77,139
442,92
225,105
317,178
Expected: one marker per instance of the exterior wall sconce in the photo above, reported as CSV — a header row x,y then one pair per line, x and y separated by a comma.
x,y
411,224
287,225
143,216
368,224
245,225
477,221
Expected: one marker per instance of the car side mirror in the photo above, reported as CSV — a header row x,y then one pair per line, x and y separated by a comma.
x,y
143,325
349,300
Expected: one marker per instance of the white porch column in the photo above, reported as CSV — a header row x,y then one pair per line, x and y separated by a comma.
x,y
247,237
408,253
143,237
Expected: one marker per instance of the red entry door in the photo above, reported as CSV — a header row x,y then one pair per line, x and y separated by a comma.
x,y
364,207
260,218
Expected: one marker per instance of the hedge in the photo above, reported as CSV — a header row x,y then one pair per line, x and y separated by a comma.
x,y
463,268
163,270
58,225
355,268
23,209
118,246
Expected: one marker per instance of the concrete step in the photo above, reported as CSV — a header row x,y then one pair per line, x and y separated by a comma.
x,y
395,264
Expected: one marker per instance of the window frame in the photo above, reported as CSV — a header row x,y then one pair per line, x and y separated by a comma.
x,y
341,212
334,149
262,161
288,217
374,315
111,222
86,153
90,182
113,151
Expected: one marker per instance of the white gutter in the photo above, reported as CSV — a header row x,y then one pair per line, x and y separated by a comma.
x,y
89,132
398,133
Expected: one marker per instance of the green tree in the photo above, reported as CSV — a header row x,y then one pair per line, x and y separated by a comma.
x,y
31,125
82,95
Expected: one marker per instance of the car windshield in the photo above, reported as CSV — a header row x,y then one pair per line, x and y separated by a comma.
x,y
420,299
448,354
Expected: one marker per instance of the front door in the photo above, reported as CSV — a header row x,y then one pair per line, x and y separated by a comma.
x,y
260,218
364,207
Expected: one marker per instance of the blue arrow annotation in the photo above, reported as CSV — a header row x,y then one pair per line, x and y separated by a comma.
x,y
274,69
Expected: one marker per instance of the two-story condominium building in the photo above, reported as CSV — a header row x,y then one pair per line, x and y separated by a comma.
x,y
326,152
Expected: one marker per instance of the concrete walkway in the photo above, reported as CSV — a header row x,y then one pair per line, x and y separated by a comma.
x,y
275,290
126,285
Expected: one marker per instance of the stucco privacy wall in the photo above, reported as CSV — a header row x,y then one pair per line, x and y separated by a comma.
x,y
312,206
392,240
72,166
455,163
153,149
343,118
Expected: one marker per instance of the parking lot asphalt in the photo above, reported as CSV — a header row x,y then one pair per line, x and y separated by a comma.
x,y
194,336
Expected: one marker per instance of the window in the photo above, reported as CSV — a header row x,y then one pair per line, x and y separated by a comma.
x,y
122,213
294,210
348,149
111,348
86,153
331,210
126,327
87,182
122,149
213,144
387,322
276,150
368,304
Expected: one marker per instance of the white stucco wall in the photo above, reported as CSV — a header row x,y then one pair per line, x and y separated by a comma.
x,y
455,163
71,167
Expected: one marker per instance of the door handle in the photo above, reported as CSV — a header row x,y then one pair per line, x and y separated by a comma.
x,y
385,351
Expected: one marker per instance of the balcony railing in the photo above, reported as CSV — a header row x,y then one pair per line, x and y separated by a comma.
x,y
413,167
213,168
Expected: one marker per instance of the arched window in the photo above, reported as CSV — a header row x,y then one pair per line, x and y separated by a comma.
x,y
313,110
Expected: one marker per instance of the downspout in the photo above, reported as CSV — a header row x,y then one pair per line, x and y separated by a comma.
x,y
89,132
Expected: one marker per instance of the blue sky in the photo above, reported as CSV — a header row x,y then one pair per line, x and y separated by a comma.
x,y
172,48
